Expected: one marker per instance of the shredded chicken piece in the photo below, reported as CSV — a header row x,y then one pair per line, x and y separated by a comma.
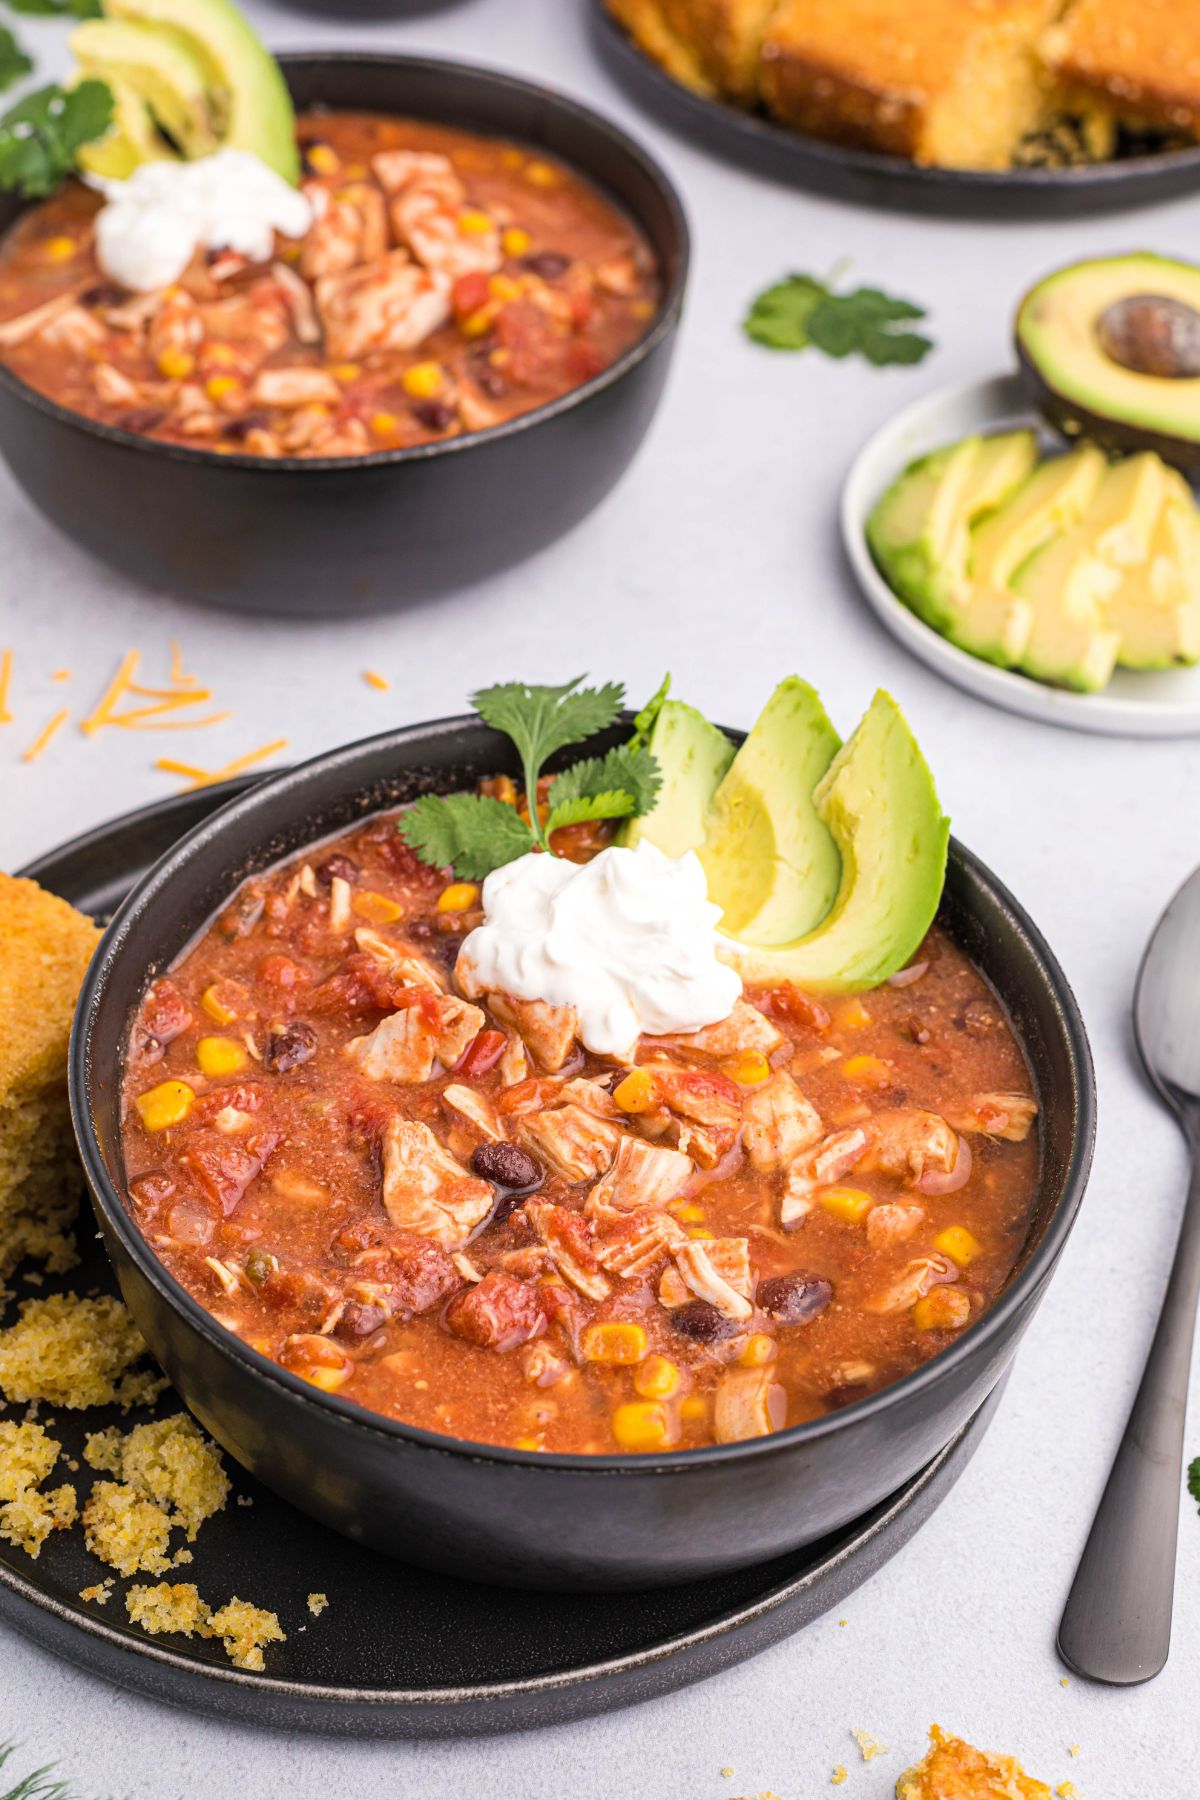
x,y
404,1046
892,1222
780,1123
568,1239
350,229
391,304
574,1143
592,1097
340,896
408,968
1007,1116
301,310
473,1114
638,1241
294,387
908,1142
916,1279
700,1114
113,387
75,330
31,324
425,205
748,1404
702,1268
641,1175
744,1030
513,1064
833,1157
548,1032
425,1190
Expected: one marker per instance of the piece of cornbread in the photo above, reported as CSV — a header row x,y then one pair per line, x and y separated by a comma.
x,y
955,1770
1142,56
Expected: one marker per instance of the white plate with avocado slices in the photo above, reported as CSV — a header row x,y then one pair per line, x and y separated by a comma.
x,y
1162,702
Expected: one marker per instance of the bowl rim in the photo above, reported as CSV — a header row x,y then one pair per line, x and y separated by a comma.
x,y
121,939
551,99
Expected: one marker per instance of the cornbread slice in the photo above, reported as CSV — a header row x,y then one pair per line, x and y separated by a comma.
x,y
956,83
73,1352
955,1770
45,948
1143,56
178,1607
647,24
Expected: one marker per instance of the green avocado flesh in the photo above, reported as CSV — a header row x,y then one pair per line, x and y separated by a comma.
x,y
200,75
1058,339
772,866
838,854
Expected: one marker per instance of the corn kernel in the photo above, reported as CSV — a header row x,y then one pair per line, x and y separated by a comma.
x,y
515,241
377,907
757,1350
636,1093
345,371
384,424
215,1001
614,1341
473,222
220,1056
59,249
423,381
542,175
945,1309
641,1425
217,386
871,1069
750,1069
699,1231
694,1410
460,896
527,1443
357,171
176,365
851,1015
960,1245
322,159
165,1105
327,1379
512,159
478,323
851,1205
503,287
689,1213
657,1378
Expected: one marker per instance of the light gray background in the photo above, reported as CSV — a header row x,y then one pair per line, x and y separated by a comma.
x,y
717,558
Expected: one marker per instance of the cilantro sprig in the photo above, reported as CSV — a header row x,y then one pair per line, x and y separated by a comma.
x,y
1193,1479
476,833
802,310
41,133
13,61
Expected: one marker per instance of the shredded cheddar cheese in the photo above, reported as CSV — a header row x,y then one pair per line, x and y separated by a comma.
x,y
6,661
197,778
48,731
374,679
182,692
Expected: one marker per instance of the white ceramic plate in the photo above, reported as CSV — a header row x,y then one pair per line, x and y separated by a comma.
x,y
1165,704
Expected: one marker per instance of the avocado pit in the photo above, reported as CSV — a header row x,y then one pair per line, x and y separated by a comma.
x,y
1152,334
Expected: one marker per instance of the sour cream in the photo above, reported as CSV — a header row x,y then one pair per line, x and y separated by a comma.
x,y
628,939
153,223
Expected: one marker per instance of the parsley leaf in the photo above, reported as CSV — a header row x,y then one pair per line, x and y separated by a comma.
x,y
616,786
13,61
1193,1479
801,311
41,133
470,833
541,720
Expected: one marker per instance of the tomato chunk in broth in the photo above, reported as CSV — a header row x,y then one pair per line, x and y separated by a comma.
x,y
452,1214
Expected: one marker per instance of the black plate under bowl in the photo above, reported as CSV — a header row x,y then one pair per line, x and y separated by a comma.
x,y
870,178
327,537
470,1658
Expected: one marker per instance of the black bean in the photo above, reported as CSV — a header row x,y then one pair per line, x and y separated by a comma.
x,y
548,264
486,375
240,428
142,419
289,1046
104,293
435,415
337,864
794,1299
846,1394
507,1166
702,1322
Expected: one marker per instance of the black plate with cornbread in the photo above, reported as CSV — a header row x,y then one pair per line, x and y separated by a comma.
x,y
1005,108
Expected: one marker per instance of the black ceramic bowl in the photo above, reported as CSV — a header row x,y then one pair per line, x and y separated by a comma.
x,y
508,1515
364,534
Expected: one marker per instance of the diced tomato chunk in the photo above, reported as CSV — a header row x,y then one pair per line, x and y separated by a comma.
x,y
420,1273
791,1006
282,978
225,1170
531,1095
696,1084
468,294
584,361
482,1053
241,1096
499,1313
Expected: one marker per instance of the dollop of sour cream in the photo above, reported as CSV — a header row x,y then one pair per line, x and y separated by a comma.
x,y
628,939
152,224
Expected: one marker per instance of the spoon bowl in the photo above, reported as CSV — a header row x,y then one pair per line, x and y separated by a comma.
x,y
1166,1008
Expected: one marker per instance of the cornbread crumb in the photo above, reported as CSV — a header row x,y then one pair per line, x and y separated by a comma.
x,y
1066,1790
28,1515
318,1602
1074,1749
47,948
169,1607
169,1461
839,1775
869,1747
100,1591
128,1531
76,1353
1064,1681
27,1455
28,1521
244,1630
728,1774
954,1770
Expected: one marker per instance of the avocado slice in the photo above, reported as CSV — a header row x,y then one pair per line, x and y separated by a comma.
x,y
771,863
131,139
156,67
995,622
250,104
1156,609
919,532
878,800
1065,343
692,757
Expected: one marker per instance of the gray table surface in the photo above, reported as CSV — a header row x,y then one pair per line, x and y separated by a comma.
x,y
717,558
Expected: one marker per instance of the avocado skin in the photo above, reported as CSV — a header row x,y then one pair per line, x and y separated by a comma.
x,y
1075,420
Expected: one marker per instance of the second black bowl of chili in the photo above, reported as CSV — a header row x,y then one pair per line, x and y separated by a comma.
x,y
241,437
410,1392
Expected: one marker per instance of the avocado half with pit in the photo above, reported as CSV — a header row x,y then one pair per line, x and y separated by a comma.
x,y
1110,351
188,77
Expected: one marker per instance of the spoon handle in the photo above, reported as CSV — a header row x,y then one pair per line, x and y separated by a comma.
x,y
1116,1625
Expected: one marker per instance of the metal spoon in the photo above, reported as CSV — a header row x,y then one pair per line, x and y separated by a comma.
x,y
1116,1625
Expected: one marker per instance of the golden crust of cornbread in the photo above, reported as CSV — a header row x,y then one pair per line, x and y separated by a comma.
x,y
45,948
1142,55
955,1770
726,36
951,82
73,1352
178,1607
647,24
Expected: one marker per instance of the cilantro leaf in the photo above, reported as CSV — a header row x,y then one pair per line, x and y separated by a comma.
x,y
41,133
541,720
645,721
469,833
612,804
58,9
802,311
13,61
626,773
1193,1479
